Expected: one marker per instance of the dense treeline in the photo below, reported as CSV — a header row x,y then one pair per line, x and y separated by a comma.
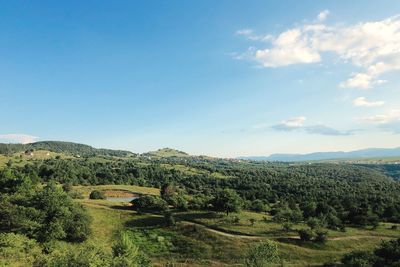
x,y
62,147
338,194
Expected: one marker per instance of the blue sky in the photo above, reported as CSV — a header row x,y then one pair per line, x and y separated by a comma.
x,y
222,78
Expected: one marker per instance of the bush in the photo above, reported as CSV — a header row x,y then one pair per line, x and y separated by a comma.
x,y
314,223
78,227
321,236
169,218
262,254
306,234
97,194
357,259
287,226
127,254
17,248
85,256
149,203
258,206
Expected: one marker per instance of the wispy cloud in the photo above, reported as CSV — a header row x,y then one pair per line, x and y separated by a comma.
x,y
18,138
389,122
363,102
325,130
390,117
373,46
298,124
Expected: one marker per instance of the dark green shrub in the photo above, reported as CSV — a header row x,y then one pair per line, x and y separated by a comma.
x,y
97,194
358,259
321,236
149,203
306,234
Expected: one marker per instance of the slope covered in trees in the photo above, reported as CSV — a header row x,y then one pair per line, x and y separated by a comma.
x,y
62,147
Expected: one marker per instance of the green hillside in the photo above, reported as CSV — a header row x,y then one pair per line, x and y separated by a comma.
x,y
62,147
192,211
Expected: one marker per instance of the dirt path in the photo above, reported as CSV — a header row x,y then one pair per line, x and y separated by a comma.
x,y
253,237
222,233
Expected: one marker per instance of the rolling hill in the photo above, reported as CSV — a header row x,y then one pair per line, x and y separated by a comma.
x,y
62,147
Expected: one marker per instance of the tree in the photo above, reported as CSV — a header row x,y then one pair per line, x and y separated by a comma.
x,y
78,227
97,194
321,236
262,254
258,206
313,223
358,259
227,200
306,234
167,192
388,253
149,203
169,218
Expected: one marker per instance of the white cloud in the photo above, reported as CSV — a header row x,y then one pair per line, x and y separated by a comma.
x,y
289,48
391,117
363,102
291,124
18,138
323,15
373,47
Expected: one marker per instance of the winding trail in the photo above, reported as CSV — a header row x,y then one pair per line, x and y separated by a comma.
x,y
222,233
255,237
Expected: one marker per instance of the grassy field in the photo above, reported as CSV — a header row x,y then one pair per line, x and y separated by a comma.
x,y
85,190
20,159
183,245
216,241
213,239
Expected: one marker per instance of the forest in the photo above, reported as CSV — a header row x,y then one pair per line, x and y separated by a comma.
x,y
43,207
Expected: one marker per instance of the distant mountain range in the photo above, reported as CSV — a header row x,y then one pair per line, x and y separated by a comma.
x,y
357,154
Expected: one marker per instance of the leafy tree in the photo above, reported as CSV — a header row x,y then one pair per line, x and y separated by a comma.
x,y
149,203
287,226
169,218
321,236
314,223
258,206
288,215
358,259
306,234
227,200
388,253
97,194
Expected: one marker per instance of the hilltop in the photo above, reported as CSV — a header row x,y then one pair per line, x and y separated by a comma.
x,y
166,153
